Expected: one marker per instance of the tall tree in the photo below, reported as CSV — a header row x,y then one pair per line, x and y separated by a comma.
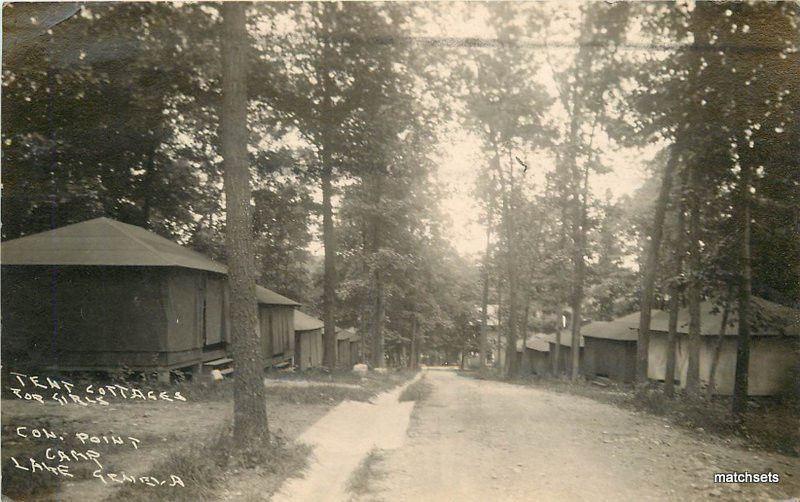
x,y
650,269
587,89
250,405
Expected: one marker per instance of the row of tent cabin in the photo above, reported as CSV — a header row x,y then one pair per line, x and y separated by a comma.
x,y
608,349
102,295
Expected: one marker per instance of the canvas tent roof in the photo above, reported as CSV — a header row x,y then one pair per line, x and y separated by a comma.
x,y
619,329
535,341
566,339
103,241
346,334
769,319
268,297
304,322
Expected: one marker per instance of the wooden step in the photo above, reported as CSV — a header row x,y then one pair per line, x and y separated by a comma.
x,y
219,362
226,371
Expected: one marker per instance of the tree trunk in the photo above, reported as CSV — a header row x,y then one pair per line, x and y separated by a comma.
x,y
329,279
412,359
693,373
249,397
499,363
651,269
740,382
511,262
557,352
672,341
712,376
147,184
482,342
674,300
329,275
379,307
579,275
525,366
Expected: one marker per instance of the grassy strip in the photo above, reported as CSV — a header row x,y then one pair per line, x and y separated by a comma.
x,y
772,426
370,385
25,485
360,481
417,391
203,467
318,394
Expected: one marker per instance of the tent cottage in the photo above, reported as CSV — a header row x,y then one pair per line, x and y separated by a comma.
x,y
610,348
346,347
307,341
565,355
276,322
774,346
355,352
102,295
537,352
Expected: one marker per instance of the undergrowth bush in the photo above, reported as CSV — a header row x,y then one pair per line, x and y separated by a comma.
x,y
203,467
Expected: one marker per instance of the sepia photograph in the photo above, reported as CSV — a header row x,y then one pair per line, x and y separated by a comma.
x,y
400,251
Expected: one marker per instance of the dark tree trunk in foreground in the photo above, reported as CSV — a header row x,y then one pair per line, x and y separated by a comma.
x,y
556,355
376,328
525,366
674,300
579,276
378,300
249,398
511,261
482,342
499,329
745,285
329,275
712,376
651,269
413,359
693,372
672,342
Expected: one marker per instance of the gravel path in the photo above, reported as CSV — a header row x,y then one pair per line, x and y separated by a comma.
x,y
484,440
342,439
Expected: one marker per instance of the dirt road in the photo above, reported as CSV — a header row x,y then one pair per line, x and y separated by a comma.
x,y
484,440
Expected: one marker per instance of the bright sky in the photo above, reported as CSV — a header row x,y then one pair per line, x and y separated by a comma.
x,y
459,157
458,163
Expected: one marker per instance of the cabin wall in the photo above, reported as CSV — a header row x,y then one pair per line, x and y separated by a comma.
x,y
214,310
276,323
308,349
565,358
615,359
539,361
195,313
83,317
343,353
770,368
354,353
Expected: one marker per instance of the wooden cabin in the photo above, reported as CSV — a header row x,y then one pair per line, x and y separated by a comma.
x,y
355,350
537,352
565,353
307,341
103,295
276,322
344,343
610,349
774,347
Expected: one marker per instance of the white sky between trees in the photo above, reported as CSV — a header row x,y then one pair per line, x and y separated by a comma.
x,y
458,155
